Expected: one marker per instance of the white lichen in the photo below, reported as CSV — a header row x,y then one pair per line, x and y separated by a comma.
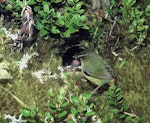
x,y
39,75
61,69
13,119
55,76
9,34
23,64
95,120
42,75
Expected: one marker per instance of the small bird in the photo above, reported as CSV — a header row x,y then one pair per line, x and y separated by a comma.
x,y
95,69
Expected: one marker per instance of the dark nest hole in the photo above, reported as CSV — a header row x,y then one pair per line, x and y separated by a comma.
x,y
68,55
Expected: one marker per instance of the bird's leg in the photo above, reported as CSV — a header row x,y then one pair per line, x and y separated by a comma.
x,y
95,89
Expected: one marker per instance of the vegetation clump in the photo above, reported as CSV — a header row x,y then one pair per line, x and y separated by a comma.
x,y
36,83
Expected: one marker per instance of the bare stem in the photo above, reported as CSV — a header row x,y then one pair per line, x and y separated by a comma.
x,y
16,98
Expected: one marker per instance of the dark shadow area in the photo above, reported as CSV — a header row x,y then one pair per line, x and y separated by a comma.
x,y
68,55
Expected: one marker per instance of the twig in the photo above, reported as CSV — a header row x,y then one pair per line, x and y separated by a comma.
x,y
16,98
116,55
112,27
106,15
95,89
132,115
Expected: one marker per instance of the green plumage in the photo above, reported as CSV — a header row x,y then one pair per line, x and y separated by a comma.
x,y
96,69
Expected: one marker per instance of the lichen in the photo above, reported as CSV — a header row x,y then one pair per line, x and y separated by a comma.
x,y
13,119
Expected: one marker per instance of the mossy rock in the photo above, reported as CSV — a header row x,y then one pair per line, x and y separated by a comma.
x,y
4,74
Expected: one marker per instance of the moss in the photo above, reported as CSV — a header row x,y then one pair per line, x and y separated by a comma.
x,y
134,78
27,87
23,85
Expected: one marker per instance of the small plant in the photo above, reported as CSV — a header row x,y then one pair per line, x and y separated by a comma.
x,y
132,19
135,17
31,115
60,108
118,107
80,110
147,10
57,17
65,21
57,106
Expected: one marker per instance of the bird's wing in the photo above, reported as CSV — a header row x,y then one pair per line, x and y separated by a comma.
x,y
104,76
97,72
96,81
98,69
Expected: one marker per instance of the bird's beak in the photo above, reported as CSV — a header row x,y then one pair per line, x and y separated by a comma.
x,y
79,56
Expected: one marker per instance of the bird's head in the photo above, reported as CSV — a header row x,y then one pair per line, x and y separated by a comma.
x,y
80,56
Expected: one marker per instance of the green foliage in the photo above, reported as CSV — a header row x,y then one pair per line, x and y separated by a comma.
x,y
57,106
62,109
80,110
31,114
14,8
134,18
55,18
96,31
137,27
147,10
64,20
118,107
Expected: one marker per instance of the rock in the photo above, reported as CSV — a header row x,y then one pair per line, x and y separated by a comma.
x,y
4,75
